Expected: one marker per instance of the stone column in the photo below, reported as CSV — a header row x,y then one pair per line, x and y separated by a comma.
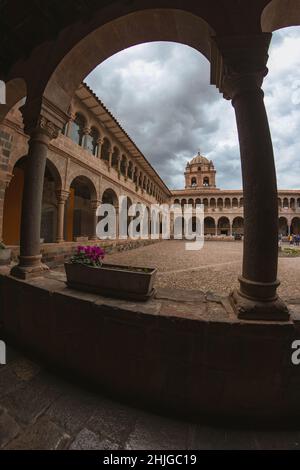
x,y
126,170
30,258
86,133
109,163
117,222
62,197
119,167
69,125
100,143
94,206
244,68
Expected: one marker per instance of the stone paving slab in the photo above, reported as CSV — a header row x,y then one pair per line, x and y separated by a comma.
x,y
43,412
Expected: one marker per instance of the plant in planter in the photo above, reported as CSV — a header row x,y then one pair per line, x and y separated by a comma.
x,y
86,271
5,255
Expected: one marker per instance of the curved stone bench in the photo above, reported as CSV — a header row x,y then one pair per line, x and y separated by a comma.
x,y
183,353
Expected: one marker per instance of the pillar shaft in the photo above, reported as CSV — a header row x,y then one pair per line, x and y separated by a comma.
x,y
62,197
30,257
94,206
244,69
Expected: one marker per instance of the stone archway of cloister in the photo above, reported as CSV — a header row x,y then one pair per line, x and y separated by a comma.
x,y
240,54
13,202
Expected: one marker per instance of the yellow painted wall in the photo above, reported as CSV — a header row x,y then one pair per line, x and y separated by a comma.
x,y
12,208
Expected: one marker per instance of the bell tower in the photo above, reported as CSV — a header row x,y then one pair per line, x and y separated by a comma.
x,y
200,173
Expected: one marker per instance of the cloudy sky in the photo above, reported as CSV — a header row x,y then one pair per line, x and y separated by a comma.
x,y
160,94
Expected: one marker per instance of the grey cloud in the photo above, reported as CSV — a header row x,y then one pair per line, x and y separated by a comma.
x,y
161,95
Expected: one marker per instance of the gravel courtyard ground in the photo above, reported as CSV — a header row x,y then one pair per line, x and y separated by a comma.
x,y
215,268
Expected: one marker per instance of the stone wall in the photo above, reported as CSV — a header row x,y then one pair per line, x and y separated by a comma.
x,y
55,254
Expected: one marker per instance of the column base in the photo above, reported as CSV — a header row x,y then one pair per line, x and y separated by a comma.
x,y
29,267
256,309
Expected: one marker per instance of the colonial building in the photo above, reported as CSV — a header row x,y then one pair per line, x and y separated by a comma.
x,y
94,160
224,209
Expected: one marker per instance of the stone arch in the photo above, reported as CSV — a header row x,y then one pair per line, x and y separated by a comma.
x,y
146,25
85,175
15,92
110,196
235,203
283,227
79,219
209,226
78,126
224,226
280,14
212,203
220,203
13,202
105,149
238,226
295,226
227,203
115,157
293,203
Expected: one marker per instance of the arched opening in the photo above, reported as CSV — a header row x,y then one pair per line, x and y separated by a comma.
x,y
13,204
15,91
77,129
130,170
92,141
159,24
123,165
285,203
105,150
220,203
209,226
227,203
238,226
213,203
295,226
280,14
78,215
224,226
194,182
293,203
235,203
283,227
206,181
115,158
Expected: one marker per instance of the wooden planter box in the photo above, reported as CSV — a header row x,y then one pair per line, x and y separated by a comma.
x,y
124,282
5,256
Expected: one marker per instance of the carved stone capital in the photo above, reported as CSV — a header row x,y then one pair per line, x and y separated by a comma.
x,y
95,204
62,196
46,127
239,63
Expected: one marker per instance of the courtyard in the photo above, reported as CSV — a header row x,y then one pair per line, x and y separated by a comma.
x,y
213,269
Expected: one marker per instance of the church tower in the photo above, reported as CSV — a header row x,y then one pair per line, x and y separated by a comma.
x,y
200,173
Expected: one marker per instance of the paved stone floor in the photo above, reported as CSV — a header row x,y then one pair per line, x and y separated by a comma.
x,y
215,268
41,411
